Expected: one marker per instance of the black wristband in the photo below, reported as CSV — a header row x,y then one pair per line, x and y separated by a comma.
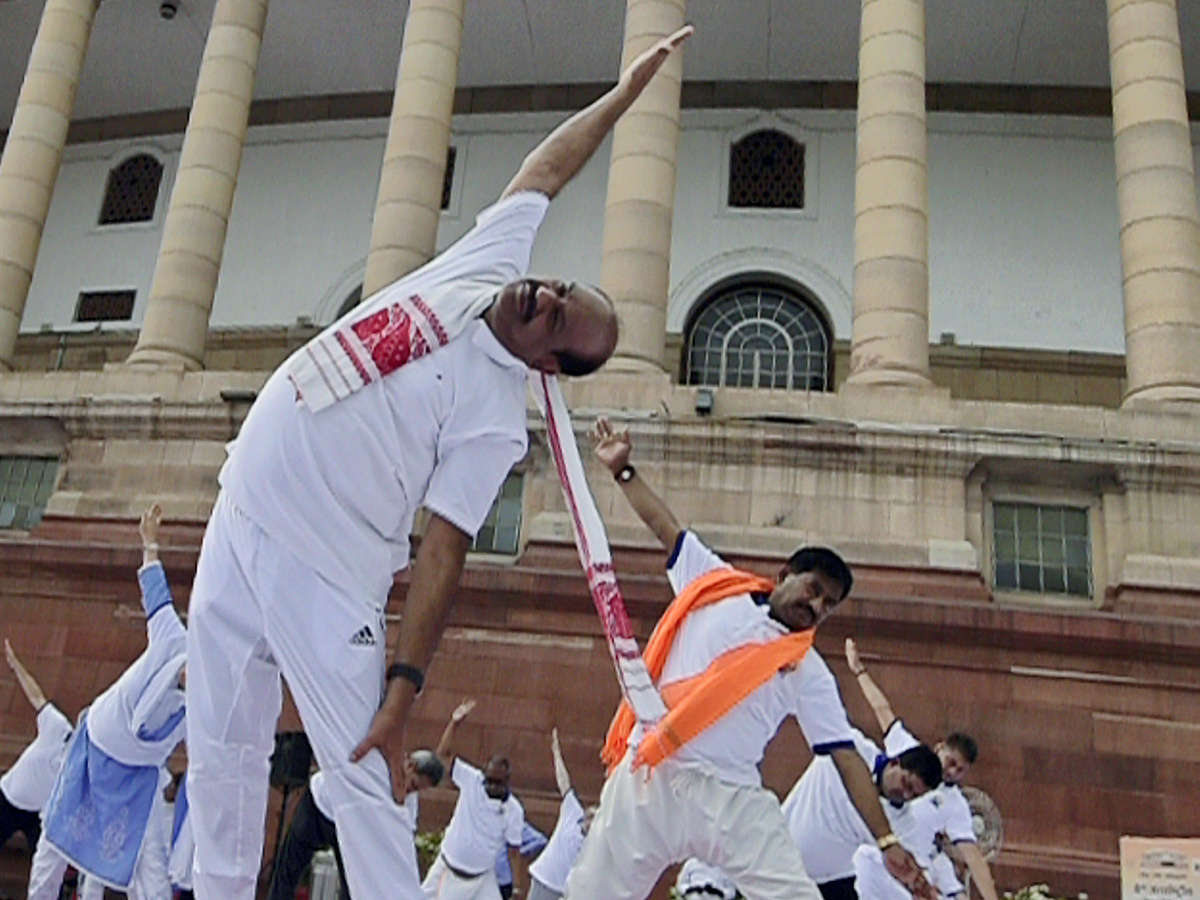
x,y
626,474
408,673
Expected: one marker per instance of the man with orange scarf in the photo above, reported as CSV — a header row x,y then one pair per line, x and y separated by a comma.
x,y
732,657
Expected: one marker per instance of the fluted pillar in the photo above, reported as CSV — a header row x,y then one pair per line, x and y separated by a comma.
x,y
409,204
638,212
33,151
1156,196
189,258
890,338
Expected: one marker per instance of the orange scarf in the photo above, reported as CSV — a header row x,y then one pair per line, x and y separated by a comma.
x,y
696,703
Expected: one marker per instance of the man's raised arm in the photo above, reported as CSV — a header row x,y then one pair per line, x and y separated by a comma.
x,y
556,160
33,691
876,697
445,747
612,448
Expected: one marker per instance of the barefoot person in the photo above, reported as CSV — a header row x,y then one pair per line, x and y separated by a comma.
x,y
732,657
347,440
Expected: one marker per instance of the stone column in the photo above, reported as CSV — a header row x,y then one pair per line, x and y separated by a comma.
x,y
29,165
890,339
189,259
638,212
1156,196
409,205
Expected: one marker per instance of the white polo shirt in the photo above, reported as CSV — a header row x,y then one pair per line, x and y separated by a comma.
x,y
941,811
732,747
823,820
480,826
339,488
28,784
554,862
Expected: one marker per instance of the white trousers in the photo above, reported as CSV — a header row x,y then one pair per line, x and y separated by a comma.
x,y
258,611
872,880
150,879
442,884
646,824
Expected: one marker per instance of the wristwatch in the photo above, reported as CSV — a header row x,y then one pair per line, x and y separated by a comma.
x,y
626,474
887,841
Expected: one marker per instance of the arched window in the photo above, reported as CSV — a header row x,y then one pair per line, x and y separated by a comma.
x,y
132,191
766,171
758,335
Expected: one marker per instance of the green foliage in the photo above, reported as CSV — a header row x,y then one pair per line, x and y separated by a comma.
x,y
428,845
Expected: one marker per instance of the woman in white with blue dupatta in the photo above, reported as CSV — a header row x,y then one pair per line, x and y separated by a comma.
x,y
103,814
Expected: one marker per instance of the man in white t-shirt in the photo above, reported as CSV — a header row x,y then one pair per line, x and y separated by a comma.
x,y
487,818
548,874
314,515
825,824
944,816
706,799
25,788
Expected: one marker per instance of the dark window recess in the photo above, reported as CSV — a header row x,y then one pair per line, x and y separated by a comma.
x,y
1041,549
766,171
105,306
501,530
448,181
132,191
758,336
26,483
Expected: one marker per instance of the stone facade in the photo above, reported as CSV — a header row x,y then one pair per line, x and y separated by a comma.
x,y
1083,708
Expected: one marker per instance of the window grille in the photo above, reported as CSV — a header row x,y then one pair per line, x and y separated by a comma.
x,y
759,336
26,483
766,171
1041,549
105,306
448,181
501,529
132,191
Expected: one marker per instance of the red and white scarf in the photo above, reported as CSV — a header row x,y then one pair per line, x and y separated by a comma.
x,y
592,543
395,327
392,328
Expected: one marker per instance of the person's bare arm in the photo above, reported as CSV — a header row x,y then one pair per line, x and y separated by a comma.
x,y
863,794
981,872
33,690
561,776
878,700
519,871
445,747
557,159
435,577
612,448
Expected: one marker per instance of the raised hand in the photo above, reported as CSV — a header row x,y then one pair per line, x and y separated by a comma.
x,y
852,659
611,447
148,526
462,710
639,72
10,656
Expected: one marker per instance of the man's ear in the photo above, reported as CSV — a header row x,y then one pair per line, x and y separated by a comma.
x,y
784,572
